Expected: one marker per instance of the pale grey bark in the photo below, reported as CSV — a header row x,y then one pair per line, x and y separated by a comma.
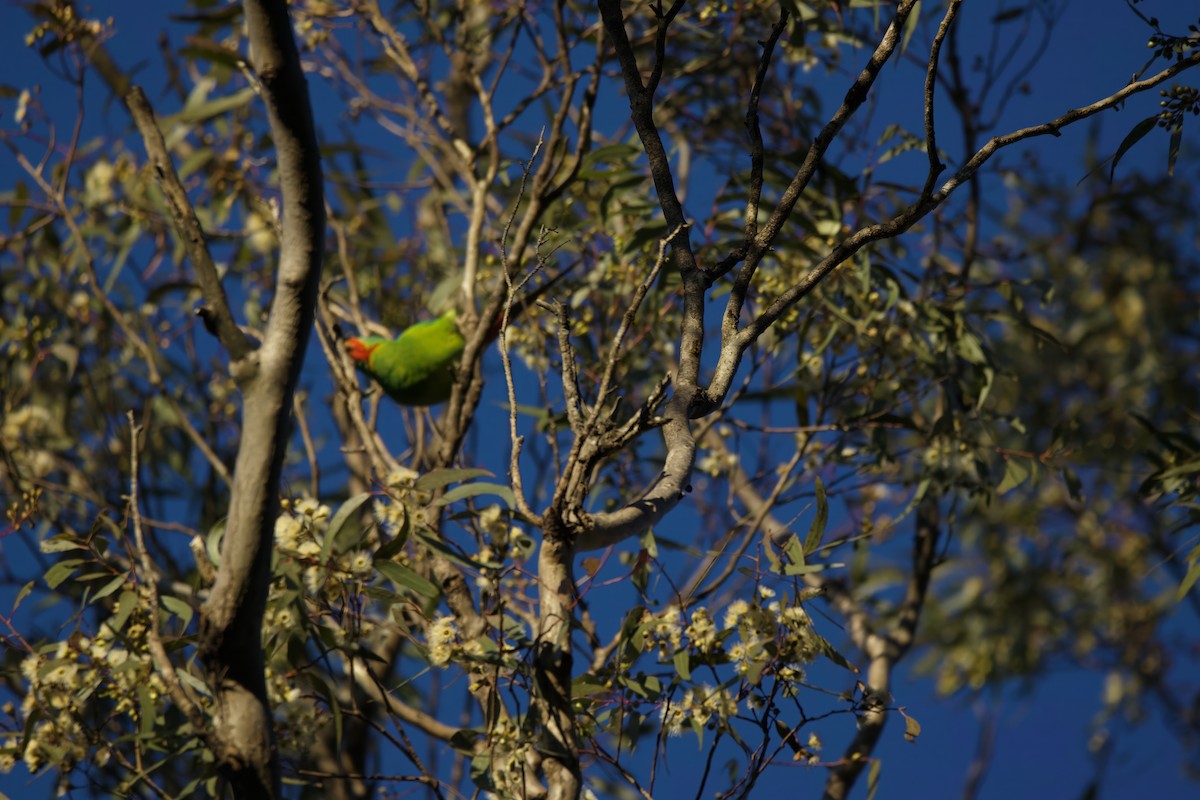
x,y
231,621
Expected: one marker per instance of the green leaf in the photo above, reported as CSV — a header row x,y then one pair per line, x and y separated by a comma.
x,y
827,228
683,665
438,478
1016,472
35,716
67,354
649,544
17,209
873,777
405,578
632,629
755,671
199,686
698,728
1009,14
776,564
146,711
110,587
391,548
452,553
178,607
805,569
346,511
501,490
61,571
912,728
125,605
989,380
910,25
621,153
481,771
1193,574
61,543
642,238
1074,485
969,347
339,520
199,111
1173,147
200,157
587,686
466,740
833,655
21,595
190,789
1133,137
793,551
817,530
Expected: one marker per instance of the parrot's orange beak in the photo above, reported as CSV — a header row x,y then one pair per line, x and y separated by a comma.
x,y
357,350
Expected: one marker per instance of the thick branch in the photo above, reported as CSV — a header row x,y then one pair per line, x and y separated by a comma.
x,y
552,660
602,530
641,112
231,625
885,651
688,401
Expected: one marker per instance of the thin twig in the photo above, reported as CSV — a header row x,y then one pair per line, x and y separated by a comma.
x,y
935,163
180,692
310,451
734,348
514,466
217,315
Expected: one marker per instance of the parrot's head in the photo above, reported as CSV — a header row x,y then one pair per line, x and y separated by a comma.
x,y
360,350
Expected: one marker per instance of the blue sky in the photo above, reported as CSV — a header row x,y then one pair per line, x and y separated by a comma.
x,y
1041,732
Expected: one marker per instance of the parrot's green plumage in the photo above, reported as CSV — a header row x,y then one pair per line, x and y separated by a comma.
x,y
417,367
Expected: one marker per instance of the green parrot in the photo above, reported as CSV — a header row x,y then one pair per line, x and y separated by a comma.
x,y
417,367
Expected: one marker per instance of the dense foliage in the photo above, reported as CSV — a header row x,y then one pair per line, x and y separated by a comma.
x,y
806,392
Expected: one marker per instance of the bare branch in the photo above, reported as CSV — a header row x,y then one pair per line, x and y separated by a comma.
x,y
515,441
397,49
218,316
641,106
935,164
627,320
884,650
733,349
602,530
180,692
231,619
754,250
750,224
692,590
570,383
